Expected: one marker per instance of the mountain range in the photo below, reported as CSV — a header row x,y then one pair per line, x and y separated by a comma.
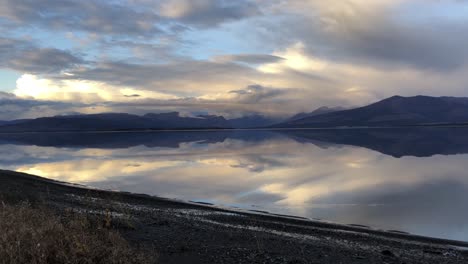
x,y
393,111
116,121
390,112
123,121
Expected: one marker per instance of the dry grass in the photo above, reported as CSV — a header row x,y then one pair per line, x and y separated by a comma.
x,y
37,236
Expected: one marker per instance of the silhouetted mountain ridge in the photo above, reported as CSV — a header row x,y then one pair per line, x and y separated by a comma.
x,y
116,121
124,121
393,111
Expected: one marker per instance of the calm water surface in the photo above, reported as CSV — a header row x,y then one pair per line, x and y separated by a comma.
x,y
414,180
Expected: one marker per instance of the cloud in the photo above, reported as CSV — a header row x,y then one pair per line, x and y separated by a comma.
x,y
248,58
102,17
83,91
215,79
14,107
257,94
121,19
208,12
22,56
190,77
293,57
44,60
6,96
381,33
99,96
228,105
189,86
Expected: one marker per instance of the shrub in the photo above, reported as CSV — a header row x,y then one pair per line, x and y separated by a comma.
x,y
39,236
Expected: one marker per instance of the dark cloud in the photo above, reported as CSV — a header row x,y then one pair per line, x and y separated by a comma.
x,y
438,47
24,57
46,60
376,34
257,94
5,95
123,18
208,12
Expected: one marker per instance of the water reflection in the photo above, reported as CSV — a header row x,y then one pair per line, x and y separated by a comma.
x,y
404,179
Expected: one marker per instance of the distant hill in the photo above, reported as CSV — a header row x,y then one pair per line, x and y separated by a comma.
x,y
115,121
318,111
393,111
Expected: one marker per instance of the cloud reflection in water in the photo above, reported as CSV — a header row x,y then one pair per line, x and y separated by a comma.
x,y
303,173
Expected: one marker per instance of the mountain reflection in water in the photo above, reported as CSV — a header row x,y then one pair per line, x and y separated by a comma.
x,y
404,179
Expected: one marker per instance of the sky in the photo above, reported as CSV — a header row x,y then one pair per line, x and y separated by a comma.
x,y
224,57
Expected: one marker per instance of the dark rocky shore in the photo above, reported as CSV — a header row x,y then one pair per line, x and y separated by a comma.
x,y
184,232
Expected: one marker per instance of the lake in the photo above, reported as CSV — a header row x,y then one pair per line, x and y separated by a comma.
x,y
413,180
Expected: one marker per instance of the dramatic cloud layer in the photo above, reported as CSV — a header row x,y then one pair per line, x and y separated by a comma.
x,y
104,17
229,57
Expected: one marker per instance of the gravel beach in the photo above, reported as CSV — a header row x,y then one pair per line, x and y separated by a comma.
x,y
190,232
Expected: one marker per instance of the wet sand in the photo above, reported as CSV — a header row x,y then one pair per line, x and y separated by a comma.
x,y
190,232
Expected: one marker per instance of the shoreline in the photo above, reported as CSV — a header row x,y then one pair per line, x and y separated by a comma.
x,y
355,227
360,228
206,226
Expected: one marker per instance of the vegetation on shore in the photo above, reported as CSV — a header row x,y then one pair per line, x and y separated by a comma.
x,y
40,236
